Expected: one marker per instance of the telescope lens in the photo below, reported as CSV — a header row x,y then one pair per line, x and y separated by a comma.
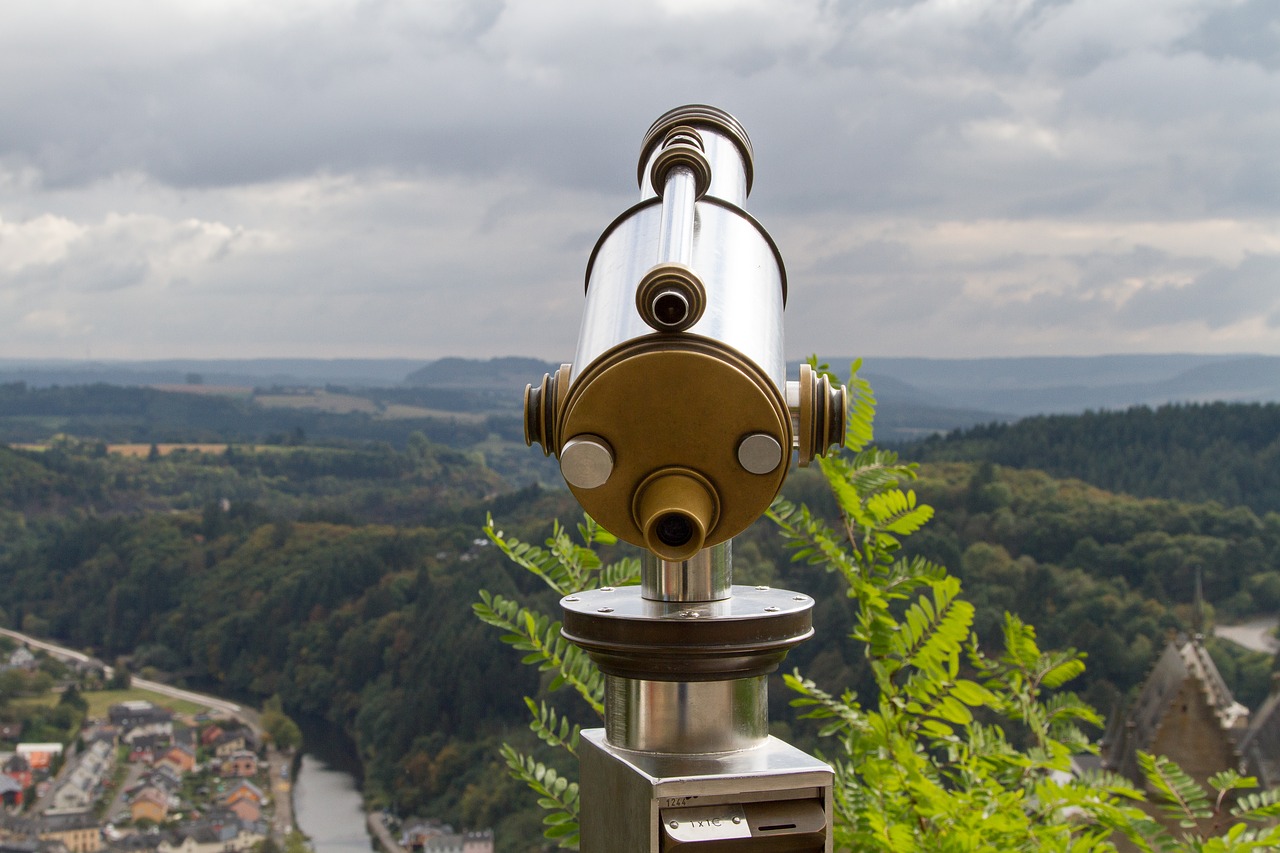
x,y
674,529
670,308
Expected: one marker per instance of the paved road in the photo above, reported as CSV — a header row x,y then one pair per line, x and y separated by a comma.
x,y
57,651
1257,634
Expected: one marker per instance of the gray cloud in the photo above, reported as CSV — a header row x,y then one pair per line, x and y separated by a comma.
x,y
1218,297
360,176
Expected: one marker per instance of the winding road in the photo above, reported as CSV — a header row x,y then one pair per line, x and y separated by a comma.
x,y
1258,635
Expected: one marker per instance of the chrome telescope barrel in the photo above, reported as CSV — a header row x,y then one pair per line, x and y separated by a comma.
x,y
675,421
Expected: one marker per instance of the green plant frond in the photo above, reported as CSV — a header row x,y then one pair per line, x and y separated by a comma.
x,y
592,533
557,795
867,473
843,713
1230,780
1055,669
1260,806
933,630
1114,783
539,562
575,562
539,636
812,540
1184,798
552,727
896,512
624,572
861,416
1020,648
900,578
565,565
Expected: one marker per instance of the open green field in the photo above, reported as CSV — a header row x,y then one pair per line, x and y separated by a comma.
x,y
100,700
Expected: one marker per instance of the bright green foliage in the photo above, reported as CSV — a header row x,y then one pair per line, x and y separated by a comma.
x,y
1185,802
964,748
557,796
566,566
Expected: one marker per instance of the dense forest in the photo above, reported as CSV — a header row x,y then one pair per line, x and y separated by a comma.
x,y
1229,453
339,577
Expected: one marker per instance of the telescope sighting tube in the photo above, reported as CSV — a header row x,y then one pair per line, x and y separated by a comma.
x,y
674,427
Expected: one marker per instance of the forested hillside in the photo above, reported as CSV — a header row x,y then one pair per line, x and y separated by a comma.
x,y
340,578
1222,452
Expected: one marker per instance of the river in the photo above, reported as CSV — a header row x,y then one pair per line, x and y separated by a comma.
x,y
328,808
327,805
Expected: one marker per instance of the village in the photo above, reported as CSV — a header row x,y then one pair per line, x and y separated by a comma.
x,y
143,777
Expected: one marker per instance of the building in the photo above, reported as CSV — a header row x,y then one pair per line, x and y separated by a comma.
x,y
39,755
1260,747
180,758
149,803
79,789
218,832
434,837
80,832
129,715
22,658
10,791
19,769
236,740
1184,711
141,719
241,764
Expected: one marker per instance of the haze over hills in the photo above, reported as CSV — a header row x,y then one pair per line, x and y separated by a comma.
x,y
917,396
1057,385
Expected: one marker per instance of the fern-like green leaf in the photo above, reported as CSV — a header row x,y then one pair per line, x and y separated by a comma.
x,y
1185,800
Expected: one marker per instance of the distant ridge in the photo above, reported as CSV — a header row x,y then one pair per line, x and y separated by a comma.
x,y
511,372
1017,387
313,372
917,396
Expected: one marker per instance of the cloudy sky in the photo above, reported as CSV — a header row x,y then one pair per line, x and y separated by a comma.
x,y
421,178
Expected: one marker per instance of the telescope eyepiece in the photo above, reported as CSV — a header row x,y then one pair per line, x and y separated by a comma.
x,y
674,529
675,510
671,298
670,308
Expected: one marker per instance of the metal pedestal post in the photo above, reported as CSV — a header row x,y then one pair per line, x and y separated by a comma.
x,y
685,761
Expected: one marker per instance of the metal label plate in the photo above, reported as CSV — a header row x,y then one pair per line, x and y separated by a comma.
x,y
705,823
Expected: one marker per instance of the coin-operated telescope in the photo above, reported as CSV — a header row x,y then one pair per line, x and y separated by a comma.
x,y
674,428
